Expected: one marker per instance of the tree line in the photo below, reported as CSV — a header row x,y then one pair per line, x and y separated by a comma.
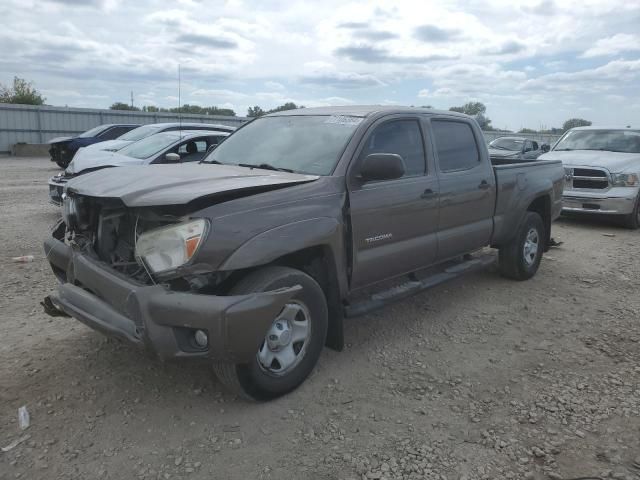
x,y
23,92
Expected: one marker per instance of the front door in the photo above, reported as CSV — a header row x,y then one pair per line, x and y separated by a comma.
x,y
394,222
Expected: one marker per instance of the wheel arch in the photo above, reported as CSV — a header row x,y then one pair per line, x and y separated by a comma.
x,y
542,206
323,259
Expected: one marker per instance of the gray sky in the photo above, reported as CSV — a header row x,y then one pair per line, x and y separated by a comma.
x,y
532,63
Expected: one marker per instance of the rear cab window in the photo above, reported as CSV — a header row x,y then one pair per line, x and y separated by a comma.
x,y
455,144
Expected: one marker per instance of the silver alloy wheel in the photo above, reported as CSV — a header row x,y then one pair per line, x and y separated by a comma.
x,y
286,341
531,245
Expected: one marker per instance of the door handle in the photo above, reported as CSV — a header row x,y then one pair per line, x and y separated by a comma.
x,y
484,185
428,193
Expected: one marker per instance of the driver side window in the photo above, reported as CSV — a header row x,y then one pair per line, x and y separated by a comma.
x,y
193,150
402,137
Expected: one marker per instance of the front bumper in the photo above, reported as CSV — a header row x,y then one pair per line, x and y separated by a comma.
x,y
614,201
158,318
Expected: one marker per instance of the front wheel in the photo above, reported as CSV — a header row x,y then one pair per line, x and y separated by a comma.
x,y
292,344
520,259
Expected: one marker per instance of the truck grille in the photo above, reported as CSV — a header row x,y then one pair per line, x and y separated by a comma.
x,y
589,178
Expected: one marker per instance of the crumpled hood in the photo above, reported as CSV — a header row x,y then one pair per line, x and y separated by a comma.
x,y
60,139
89,159
496,152
615,162
176,184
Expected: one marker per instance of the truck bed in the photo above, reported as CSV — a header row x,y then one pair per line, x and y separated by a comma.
x,y
519,182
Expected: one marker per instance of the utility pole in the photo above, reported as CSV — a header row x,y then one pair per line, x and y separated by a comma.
x,y
131,98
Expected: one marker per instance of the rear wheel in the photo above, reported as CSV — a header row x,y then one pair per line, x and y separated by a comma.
x,y
632,220
292,344
520,259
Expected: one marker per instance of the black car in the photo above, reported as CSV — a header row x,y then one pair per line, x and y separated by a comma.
x,y
518,148
63,149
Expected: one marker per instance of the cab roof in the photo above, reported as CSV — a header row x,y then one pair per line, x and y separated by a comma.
x,y
363,111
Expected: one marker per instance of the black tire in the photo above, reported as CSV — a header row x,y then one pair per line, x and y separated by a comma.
x,y
512,258
252,381
632,221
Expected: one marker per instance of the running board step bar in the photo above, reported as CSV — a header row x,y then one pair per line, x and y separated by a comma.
x,y
405,290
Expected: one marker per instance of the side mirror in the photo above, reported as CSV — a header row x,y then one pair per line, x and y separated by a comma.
x,y
545,147
382,166
172,158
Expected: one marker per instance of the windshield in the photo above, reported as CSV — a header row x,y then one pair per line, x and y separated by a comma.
x,y
150,146
93,132
507,144
303,144
139,133
625,141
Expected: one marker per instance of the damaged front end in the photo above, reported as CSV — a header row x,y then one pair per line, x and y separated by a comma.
x,y
113,285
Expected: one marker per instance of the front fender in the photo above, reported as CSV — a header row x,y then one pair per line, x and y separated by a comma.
x,y
290,238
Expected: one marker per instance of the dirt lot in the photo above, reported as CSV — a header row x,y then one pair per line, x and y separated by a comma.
x,y
480,378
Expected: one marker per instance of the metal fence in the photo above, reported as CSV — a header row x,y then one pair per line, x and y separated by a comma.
x,y
38,124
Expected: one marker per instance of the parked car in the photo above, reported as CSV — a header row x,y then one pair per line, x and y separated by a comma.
x,y
176,146
251,259
62,149
602,168
146,131
516,148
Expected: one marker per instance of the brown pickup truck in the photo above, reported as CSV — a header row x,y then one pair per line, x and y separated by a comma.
x,y
251,259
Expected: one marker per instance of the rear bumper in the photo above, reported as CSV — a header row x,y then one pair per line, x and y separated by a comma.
x,y
615,201
157,318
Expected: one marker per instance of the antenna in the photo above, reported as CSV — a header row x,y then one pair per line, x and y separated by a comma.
x,y
179,101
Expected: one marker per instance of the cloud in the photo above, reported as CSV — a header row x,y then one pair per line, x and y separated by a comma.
x,y
342,80
370,54
545,8
621,42
206,41
433,34
507,48
604,78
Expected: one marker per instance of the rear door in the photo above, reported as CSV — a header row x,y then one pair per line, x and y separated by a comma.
x,y
394,222
467,187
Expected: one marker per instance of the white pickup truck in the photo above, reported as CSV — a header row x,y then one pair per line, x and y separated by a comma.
x,y
602,172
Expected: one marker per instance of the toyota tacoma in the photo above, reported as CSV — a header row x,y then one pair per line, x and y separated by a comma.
x,y
251,259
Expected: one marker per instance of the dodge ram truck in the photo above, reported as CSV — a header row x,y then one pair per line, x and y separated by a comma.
x,y
602,172
252,259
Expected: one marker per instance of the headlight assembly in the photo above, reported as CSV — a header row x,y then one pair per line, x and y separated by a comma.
x,y
167,248
625,179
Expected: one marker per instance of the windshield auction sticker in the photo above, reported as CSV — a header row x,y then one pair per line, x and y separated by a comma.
x,y
343,120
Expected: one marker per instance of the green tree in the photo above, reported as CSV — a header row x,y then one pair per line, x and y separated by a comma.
x,y
527,130
256,111
123,106
476,110
22,92
575,122
286,106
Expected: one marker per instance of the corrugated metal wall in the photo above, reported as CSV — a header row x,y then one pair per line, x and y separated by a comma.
x,y
38,124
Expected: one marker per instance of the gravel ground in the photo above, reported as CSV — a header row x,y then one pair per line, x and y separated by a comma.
x,y
481,378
